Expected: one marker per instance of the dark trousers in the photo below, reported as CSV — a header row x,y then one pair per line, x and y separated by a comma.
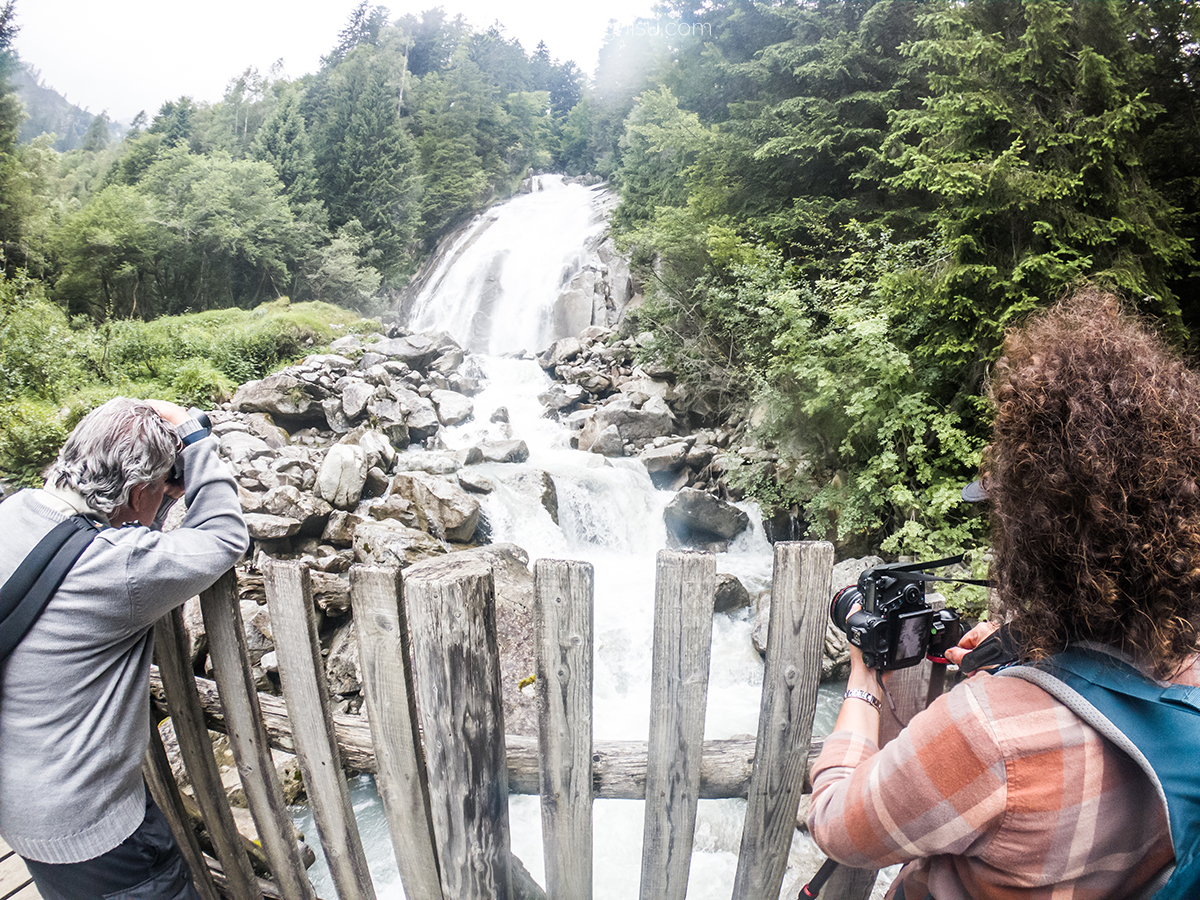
x,y
147,865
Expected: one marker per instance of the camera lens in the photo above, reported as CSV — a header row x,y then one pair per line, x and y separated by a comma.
x,y
842,603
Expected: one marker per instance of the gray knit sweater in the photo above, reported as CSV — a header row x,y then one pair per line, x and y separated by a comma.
x,y
74,715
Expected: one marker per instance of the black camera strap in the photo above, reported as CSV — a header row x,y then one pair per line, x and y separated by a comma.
x,y
913,572
33,583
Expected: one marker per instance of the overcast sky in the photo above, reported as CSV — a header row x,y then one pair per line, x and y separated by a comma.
x,y
123,56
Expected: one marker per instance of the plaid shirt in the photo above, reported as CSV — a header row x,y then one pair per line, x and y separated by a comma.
x,y
996,791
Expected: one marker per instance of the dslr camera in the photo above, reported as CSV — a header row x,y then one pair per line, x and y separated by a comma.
x,y
895,628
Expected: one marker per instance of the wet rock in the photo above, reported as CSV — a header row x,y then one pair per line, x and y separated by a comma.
x,y
695,517
731,594
666,459
452,407
637,426
607,443
561,351
475,482
505,451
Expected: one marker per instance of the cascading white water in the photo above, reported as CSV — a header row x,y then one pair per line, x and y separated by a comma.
x,y
495,289
519,255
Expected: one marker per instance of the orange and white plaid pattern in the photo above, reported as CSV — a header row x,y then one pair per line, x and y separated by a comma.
x,y
996,792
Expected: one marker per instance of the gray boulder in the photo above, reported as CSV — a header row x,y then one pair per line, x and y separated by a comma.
x,y
285,398
637,426
342,475
696,518
264,527
416,351
354,398
290,502
505,451
342,667
453,514
452,407
731,594
389,543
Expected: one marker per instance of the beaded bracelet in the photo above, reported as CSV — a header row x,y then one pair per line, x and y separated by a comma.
x,y
863,695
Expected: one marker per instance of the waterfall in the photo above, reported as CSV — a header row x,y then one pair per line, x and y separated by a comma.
x,y
499,290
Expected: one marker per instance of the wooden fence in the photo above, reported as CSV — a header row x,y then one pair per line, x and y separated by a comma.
x,y
437,745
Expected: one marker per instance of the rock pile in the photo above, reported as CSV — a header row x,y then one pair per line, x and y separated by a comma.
x,y
340,460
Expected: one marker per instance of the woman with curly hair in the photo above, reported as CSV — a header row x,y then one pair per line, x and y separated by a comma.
x,y
997,790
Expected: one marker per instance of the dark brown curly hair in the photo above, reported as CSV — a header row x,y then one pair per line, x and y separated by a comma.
x,y
1092,481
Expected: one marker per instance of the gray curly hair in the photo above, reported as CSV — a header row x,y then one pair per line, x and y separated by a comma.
x,y
113,448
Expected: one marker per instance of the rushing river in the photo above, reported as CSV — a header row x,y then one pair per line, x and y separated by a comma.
x,y
493,294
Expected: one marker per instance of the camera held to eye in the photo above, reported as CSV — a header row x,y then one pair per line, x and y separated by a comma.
x,y
895,628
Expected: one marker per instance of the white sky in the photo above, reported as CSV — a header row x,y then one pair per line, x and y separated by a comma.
x,y
129,55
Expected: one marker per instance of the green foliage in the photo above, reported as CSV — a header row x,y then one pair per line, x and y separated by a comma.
x,y
37,347
883,459
197,359
30,434
198,382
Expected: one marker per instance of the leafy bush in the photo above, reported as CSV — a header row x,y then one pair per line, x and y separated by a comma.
x,y
195,359
37,348
197,382
886,456
30,434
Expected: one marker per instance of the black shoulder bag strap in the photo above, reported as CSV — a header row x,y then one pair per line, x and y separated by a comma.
x,y
30,587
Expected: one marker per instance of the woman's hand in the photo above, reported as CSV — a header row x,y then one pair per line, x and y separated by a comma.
x,y
971,640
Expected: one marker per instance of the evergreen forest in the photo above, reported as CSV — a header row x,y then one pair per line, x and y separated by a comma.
x,y
836,210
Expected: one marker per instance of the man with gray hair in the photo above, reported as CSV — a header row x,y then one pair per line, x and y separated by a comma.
x,y
74,693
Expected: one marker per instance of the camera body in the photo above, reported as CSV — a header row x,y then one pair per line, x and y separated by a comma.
x,y
895,628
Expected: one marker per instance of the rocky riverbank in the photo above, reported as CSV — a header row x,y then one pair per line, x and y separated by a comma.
x,y
340,459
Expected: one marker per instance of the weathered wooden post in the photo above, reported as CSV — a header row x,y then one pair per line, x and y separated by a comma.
x,y
391,711
799,612
456,665
683,609
156,769
564,611
248,736
187,715
302,675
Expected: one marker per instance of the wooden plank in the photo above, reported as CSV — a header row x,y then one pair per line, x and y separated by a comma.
x,y
391,713
685,588
195,746
564,677
618,767
13,875
302,674
795,640
248,737
156,769
456,664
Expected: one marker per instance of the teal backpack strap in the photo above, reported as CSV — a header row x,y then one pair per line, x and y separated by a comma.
x,y
1156,724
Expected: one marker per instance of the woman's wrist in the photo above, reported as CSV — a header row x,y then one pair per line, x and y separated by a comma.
x,y
867,697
